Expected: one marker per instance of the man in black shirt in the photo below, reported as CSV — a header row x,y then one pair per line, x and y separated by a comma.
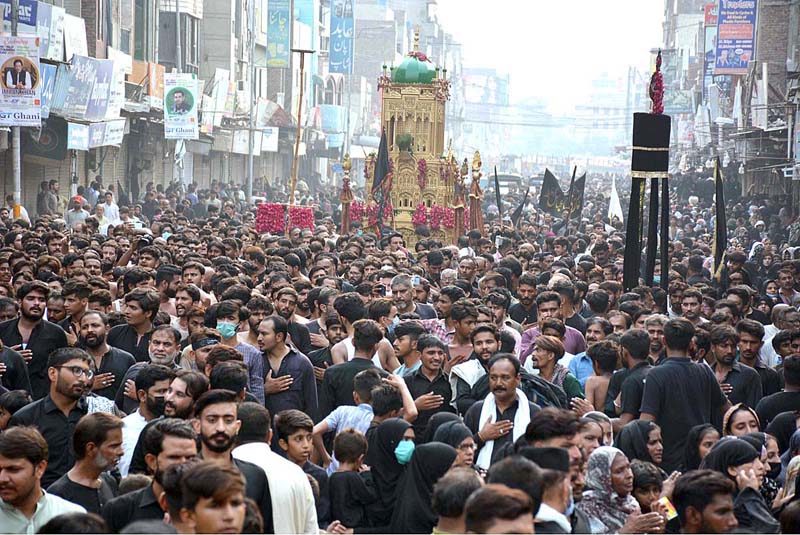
x,y
76,302
33,337
739,382
167,443
110,363
788,400
141,306
751,339
57,414
97,443
428,385
680,394
636,345
524,312
217,422
285,305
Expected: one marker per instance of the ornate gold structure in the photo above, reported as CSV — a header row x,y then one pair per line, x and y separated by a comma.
x,y
414,99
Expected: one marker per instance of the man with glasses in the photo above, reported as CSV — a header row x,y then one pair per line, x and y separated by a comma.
x,y
57,414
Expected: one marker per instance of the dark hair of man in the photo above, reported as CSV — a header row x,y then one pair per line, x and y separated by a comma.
x,y
566,290
556,325
100,297
209,479
751,327
76,287
366,334
625,316
780,338
229,375
454,293
598,301
605,354
463,309
497,357
365,381
176,335
694,293
349,445
14,400
171,483
75,523
484,328
500,297
326,295
93,428
150,374
23,443
204,333
517,472
148,299
166,273
258,303
196,383
291,421
192,290
379,308
492,502
62,355
546,297
697,489
498,279
224,309
549,423
214,397
411,328
678,333
451,492
604,324
791,370
28,287
222,353
428,340
636,342
385,399
256,421
723,333
350,307
193,265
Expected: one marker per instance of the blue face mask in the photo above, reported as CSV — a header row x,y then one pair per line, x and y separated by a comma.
x,y
404,451
656,279
391,327
166,235
570,506
226,329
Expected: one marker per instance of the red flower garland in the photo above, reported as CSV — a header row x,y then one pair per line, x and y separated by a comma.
x,y
356,211
271,218
449,219
420,216
302,217
422,173
436,216
466,218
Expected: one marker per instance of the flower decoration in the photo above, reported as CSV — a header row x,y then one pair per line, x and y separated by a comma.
x,y
420,216
356,211
466,217
436,216
422,173
271,218
302,217
449,218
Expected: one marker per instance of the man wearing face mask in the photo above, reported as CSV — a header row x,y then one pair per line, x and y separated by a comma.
x,y
152,383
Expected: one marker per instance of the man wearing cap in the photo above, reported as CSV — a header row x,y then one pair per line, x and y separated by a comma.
x,y
556,489
76,215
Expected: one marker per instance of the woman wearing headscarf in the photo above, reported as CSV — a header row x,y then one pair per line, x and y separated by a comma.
x,y
605,424
435,422
608,501
760,442
740,462
413,513
782,427
740,420
458,435
641,439
792,451
387,466
699,441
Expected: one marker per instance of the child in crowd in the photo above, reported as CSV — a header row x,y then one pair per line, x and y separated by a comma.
x,y
350,486
605,356
11,402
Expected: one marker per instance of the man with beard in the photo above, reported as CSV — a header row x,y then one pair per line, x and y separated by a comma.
x,y
167,443
97,443
25,507
403,298
152,383
163,350
654,325
167,279
55,415
218,425
740,383
322,359
303,309
141,307
355,273
498,301
323,306
259,309
704,502
110,363
751,340
186,297
485,342
405,347
285,302
524,312
691,304
596,331
548,305
444,327
32,336
503,416
289,382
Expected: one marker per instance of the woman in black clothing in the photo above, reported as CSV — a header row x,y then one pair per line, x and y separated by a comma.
x,y
386,468
436,421
699,441
641,439
458,435
738,460
413,513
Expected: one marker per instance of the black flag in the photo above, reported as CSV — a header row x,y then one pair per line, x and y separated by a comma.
x,y
576,197
720,222
382,181
515,217
552,199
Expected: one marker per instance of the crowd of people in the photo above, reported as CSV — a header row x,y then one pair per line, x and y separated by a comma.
x,y
165,368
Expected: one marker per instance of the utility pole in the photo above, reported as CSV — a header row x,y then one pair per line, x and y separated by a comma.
x,y
179,67
16,138
302,53
251,29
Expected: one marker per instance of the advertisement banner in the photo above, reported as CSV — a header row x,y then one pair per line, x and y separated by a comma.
x,y
48,73
97,133
20,85
341,51
74,37
81,86
278,33
115,131
180,106
98,103
26,21
736,36
77,136
269,139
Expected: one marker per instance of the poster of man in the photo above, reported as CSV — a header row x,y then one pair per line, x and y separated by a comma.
x,y
20,81
180,109
181,102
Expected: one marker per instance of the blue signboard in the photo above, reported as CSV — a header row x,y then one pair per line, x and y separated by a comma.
x,y
278,33
736,36
27,16
342,24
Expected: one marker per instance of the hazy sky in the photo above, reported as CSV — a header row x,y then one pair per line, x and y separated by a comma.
x,y
552,49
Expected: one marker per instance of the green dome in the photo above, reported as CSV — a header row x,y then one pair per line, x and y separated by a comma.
x,y
414,71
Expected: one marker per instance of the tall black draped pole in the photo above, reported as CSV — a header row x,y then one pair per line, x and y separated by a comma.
x,y
650,160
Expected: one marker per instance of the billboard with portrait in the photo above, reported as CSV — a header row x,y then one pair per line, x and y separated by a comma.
x,y
180,106
20,81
